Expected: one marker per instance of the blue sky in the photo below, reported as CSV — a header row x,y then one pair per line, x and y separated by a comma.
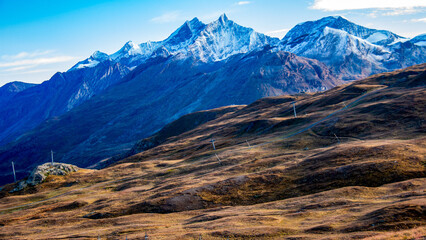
x,y
41,37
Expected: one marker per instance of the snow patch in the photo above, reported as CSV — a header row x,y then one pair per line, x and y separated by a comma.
x,y
91,63
129,49
421,43
376,37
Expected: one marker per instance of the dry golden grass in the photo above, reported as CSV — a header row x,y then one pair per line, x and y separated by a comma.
x,y
285,186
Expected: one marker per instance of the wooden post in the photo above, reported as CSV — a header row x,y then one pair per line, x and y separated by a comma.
x,y
14,174
338,140
212,141
220,162
294,108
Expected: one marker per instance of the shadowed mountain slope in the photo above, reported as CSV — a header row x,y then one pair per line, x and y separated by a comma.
x,y
9,90
27,109
156,93
211,42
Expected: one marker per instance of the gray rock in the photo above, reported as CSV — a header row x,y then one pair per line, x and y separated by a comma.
x,y
41,172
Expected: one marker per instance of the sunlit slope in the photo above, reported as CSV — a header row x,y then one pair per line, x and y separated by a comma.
x,y
350,165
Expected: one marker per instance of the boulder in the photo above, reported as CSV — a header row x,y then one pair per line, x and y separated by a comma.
x,y
41,172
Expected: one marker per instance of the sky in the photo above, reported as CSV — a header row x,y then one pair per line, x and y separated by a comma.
x,y
41,37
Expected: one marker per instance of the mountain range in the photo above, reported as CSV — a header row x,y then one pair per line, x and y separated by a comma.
x,y
353,51
105,103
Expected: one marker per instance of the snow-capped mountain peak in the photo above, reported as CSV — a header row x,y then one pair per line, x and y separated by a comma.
x,y
195,24
223,18
92,61
98,55
333,36
129,49
339,43
303,30
207,42
223,38
187,32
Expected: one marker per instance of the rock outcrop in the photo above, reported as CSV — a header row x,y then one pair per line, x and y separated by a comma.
x,y
41,172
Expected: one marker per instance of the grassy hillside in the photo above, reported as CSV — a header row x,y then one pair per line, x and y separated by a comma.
x,y
350,166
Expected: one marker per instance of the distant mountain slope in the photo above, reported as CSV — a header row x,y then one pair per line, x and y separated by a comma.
x,y
419,40
207,42
141,104
62,92
378,37
408,53
351,50
9,90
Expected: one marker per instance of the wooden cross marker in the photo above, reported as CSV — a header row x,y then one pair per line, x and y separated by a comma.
x,y
212,141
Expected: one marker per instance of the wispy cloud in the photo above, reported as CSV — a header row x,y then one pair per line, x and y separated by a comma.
x,y
278,33
26,55
394,12
402,11
37,61
373,14
243,2
419,20
15,69
26,60
41,70
339,5
167,17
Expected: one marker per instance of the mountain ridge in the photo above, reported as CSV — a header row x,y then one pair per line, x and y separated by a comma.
x,y
91,76
351,50
192,39
338,22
